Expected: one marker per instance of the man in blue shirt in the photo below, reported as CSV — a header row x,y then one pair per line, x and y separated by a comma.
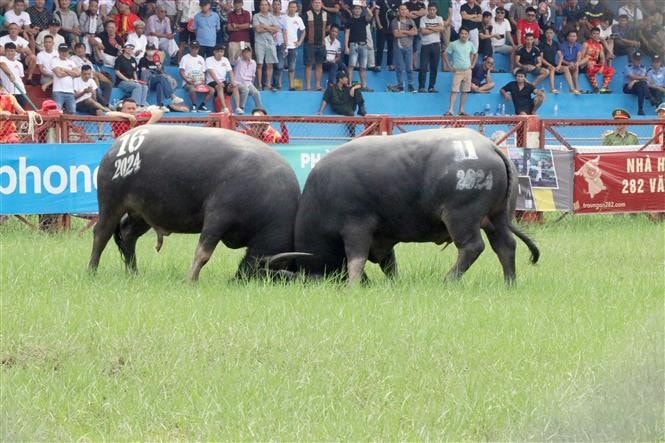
x,y
656,79
635,82
570,51
206,25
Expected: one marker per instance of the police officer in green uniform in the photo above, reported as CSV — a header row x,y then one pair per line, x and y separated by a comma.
x,y
620,136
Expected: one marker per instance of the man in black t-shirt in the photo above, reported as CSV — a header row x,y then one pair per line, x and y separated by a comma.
x,y
126,78
522,94
472,16
416,9
529,59
384,13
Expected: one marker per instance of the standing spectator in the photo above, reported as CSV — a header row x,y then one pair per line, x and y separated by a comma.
x,y
332,9
485,36
636,82
517,12
431,27
11,73
8,106
333,63
656,79
625,37
206,25
85,90
343,98
522,94
528,25
384,13
472,15
192,71
158,29
105,85
23,52
417,9
69,22
553,61
620,136
152,74
530,60
464,57
239,26
295,26
280,38
570,11
456,19
593,57
245,72
64,72
314,52
138,39
126,78
355,42
218,69
187,10
40,17
581,28
90,24
45,60
265,25
502,42
111,44
481,76
52,30
128,111
595,11
443,10
404,29
571,52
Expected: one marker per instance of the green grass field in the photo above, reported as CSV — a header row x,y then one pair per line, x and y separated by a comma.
x,y
576,351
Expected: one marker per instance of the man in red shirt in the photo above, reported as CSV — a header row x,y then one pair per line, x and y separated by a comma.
x,y
593,57
266,133
528,25
128,112
124,19
239,27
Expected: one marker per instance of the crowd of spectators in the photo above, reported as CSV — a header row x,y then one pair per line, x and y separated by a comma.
x,y
78,50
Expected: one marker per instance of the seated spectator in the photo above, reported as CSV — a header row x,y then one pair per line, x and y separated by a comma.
x,y
90,24
529,59
64,72
105,84
631,11
581,28
593,58
525,97
571,54
595,11
44,61
266,133
343,98
138,39
502,41
128,111
218,68
8,106
553,61
11,73
570,11
333,63
652,35
54,31
656,79
245,71
659,130
109,45
528,25
40,17
158,28
152,74
85,93
126,77
192,71
22,19
69,22
636,82
481,76
124,19
22,48
625,38
620,136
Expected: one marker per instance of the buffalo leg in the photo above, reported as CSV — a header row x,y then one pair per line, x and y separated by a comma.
x,y
503,243
131,228
102,232
388,264
210,237
469,243
356,248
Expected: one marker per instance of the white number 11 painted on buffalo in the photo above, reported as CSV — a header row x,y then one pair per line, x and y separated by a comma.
x,y
132,142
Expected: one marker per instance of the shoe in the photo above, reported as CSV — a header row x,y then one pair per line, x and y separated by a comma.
x,y
555,91
605,91
422,90
203,108
596,90
641,112
395,88
433,90
240,111
367,89
176,100
193,108
361,110
391,68
375,69
292,89
411,88
577,92
273,89
225,111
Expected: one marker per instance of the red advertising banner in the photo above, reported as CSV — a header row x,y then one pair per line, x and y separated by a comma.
x,y
619,182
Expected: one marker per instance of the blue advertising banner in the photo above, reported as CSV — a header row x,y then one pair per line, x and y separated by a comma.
x,y
62,178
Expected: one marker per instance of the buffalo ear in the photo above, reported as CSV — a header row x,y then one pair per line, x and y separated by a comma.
x,y
281,261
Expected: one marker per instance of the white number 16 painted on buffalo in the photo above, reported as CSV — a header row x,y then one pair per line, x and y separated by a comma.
x,y
132,142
